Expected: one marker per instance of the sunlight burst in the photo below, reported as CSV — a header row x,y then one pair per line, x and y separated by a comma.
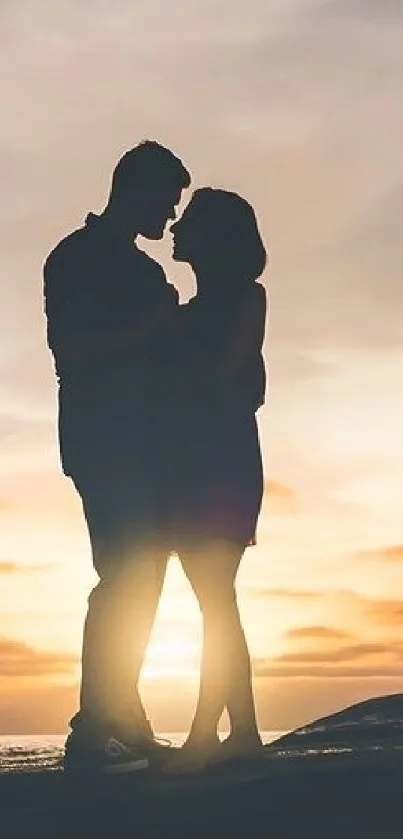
x,y
174,657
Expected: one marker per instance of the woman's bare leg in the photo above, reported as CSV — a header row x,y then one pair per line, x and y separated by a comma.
x,y
225,679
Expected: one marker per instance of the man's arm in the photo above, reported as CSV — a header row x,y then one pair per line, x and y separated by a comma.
x,y
82,344
72,340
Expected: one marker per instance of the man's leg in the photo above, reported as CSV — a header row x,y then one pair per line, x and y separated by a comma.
x,y
119,619
121,612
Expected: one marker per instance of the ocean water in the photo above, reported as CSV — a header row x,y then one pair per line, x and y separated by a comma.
x,y
43,752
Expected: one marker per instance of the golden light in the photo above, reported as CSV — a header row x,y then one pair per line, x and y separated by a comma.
x,y
174,657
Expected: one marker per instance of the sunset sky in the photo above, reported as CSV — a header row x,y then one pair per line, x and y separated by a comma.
x,y
297,105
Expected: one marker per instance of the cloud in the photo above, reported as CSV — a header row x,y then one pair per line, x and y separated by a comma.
x,y
18,659
365,10
346,661
264,670
343,654
388,612
390,553
8,567
281,593
381,611
281,498
366,659
279,490
324,633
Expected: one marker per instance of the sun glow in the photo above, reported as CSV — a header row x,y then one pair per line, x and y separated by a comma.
x,y
174,657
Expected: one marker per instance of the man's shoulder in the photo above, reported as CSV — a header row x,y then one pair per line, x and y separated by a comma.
x,y
70,249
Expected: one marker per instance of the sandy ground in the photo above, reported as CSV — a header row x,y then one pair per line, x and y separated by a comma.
x,y
345,796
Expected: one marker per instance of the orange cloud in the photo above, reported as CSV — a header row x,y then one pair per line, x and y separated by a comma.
x,y
282,498
354,660
343,662
386,612
325,633
19,660
264,670
345,653
9,567
286,593
390,553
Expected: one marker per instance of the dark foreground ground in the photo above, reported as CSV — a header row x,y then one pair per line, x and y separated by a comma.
x,y
330,796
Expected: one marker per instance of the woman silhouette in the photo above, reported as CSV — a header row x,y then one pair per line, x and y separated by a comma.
x,y
219,465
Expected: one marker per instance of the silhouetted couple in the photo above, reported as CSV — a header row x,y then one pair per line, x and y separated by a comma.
x,y
157,429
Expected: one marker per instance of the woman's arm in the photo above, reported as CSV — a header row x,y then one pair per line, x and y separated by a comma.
x,y
248,333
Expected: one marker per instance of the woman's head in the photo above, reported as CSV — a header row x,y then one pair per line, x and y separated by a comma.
x,y
218,235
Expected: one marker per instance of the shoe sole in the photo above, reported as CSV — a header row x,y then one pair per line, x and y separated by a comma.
x,y
122,768
117,769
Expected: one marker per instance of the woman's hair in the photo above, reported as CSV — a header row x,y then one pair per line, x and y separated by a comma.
x,y
235,244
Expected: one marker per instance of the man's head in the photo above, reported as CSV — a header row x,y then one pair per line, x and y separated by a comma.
x,y
147,185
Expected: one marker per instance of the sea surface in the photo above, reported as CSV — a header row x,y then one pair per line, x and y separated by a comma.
x,y
372,725
43,752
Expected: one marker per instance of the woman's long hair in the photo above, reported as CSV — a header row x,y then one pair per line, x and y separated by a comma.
x,y
235,246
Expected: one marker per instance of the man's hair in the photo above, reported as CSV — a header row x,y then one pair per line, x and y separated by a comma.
x,y
148,165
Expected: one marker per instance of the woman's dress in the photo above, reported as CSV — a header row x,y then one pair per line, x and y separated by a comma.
x,y
218,474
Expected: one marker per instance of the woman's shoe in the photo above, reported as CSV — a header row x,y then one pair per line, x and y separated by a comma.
x,y
192,758
240,749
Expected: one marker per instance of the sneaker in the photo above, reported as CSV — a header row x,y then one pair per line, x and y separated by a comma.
x,y
157,748
109,758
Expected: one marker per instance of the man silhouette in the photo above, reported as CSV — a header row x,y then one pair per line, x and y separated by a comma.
x,y
108,308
